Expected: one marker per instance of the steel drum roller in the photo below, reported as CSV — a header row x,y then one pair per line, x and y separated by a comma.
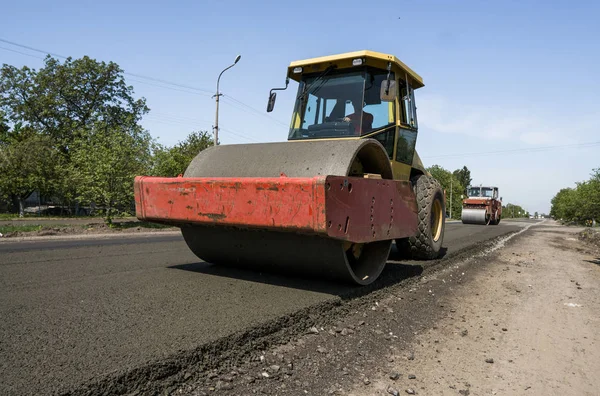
x,y
287,252
475,216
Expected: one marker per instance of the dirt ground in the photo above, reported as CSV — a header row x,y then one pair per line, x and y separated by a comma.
x,y
527,325
519,318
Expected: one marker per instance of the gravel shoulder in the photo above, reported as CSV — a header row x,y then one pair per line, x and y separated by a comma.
x,y
519,317
525,323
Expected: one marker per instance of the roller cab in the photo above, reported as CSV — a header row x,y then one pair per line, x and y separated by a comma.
x,y
362,94
331,200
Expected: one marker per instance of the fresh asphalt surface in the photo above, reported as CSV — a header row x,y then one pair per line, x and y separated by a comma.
x,y
76,310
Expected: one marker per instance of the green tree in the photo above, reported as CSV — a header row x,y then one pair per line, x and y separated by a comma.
x,y
79,105
564,204
173,161
514,211
105,162
588,198
28,163
449,182
464,177
580,204
63,100
4,128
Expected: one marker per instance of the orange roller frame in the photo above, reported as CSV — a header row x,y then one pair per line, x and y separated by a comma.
x,y
353,209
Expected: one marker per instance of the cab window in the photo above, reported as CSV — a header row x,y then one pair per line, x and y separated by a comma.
x,y
409,109
405,146
382,113
474,192
387,140
310,116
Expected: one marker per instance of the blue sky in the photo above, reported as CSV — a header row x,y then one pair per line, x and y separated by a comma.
x,y
499,76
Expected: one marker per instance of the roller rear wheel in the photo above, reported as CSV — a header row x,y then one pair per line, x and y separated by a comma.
x,y
496,220
427,243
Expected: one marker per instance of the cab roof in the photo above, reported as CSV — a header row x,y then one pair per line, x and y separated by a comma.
x,y
344,61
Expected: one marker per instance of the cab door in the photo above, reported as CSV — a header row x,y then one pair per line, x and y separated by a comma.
x,y
406,138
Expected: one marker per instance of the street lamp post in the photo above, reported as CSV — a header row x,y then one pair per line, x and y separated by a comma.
x,y
451,197
216,127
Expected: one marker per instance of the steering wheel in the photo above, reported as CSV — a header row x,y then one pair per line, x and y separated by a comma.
x,y
342,119
337,119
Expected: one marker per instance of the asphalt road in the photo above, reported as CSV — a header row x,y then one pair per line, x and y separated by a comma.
x,y
73,311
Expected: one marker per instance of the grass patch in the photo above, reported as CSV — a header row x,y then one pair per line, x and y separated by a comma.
x,y
5,229
72,228
15,216
9,216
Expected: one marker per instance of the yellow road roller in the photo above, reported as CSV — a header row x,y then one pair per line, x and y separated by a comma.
x,y
331,200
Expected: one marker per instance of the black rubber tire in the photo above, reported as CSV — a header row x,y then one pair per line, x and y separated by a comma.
x,y
496,220
422,246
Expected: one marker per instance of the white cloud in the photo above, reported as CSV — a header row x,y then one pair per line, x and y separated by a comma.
x,y
529,178
537,138
492,123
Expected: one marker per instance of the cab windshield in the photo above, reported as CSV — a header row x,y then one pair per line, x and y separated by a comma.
x,y
487,192
475,192
340,104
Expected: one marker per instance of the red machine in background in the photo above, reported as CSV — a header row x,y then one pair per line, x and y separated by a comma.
x,y
482,206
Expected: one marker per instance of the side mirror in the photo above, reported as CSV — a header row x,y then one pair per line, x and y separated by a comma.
x,y
271,104
388,93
